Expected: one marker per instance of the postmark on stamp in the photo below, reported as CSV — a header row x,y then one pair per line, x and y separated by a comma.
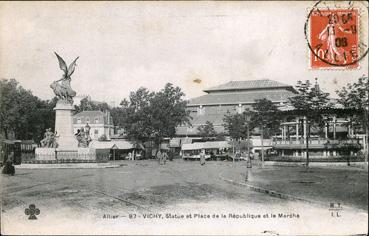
x,y
333,36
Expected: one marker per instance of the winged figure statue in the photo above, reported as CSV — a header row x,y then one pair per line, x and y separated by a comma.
x,y
61,87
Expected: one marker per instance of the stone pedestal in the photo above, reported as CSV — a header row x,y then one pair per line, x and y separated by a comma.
x,y
64,126
67,150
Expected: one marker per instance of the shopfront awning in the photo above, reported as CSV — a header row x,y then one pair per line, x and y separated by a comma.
x,y
206,145
115,144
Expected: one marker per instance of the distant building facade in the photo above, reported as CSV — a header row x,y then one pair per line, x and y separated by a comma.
x,y
101,123
232,97
339,135
339,139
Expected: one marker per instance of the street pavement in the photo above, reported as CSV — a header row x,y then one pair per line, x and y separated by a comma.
x,y
142,197
330,184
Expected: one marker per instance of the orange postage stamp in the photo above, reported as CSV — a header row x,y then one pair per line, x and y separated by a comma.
x,y
334,40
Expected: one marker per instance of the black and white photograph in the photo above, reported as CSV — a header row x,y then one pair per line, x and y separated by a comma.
x,y
184,117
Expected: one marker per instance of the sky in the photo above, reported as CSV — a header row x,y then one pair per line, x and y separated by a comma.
x,y
126,45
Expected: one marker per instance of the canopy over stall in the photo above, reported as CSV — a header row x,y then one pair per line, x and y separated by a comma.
x,y
192,150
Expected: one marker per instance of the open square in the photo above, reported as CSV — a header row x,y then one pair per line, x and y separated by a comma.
x,y
153,195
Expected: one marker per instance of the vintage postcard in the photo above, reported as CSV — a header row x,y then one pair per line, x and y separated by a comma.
x,y
184,118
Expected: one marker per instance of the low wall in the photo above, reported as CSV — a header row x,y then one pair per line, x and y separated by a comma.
x,y
45,154
80,155
315,159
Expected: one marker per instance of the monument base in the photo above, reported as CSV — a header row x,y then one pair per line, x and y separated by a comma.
x,y
67,150
52,155
64,126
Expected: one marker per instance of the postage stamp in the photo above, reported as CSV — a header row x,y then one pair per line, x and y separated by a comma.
x,y
335,34
334,38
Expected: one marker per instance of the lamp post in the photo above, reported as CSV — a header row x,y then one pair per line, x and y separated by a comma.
x,y
114,149
366,111
307,142
248,161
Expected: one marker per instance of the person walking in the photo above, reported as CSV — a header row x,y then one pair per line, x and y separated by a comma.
x,y
165,157
171,155
130,156
202,157
159,156
9,168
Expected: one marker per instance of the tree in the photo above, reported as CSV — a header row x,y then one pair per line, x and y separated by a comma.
x,y
119,116
150,116
207,130
355,96
236,125
265,116
136,115
23,115
311,102
168,111
238,128
88,105
9,111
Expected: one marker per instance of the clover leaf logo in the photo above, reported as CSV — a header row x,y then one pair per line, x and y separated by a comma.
x,y
32,211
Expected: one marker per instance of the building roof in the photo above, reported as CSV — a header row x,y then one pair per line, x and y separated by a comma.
x,y
90,113
245,97
249,85
215,119
102,145
191,131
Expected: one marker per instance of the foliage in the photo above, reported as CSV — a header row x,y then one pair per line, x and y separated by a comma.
x,y
88,105
135,115
207,130
265,116
23,115
236,125
311,102
119,116
153,115
355,96
168,110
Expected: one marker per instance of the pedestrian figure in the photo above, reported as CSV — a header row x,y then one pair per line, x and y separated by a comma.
x,y
212,156
202,157
171,154
159,156
165,157
9,168
129,156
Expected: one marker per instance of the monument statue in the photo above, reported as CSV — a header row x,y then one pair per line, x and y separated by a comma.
x,y
87,132
49,140
83,138
61,87
65,145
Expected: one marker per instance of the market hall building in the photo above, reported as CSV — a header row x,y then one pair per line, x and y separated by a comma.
x,y
237,96
232,97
